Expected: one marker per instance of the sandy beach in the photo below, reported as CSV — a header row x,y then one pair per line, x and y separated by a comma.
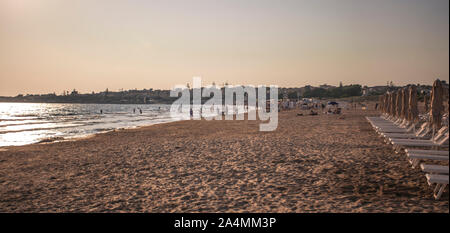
x,y
324,163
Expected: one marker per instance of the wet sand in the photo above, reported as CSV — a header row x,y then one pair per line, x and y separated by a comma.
x,y
325,163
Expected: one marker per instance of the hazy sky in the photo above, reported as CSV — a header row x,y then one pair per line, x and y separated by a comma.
x,y
54,45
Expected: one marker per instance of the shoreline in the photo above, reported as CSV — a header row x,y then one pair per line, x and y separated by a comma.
x,y
87,136
82,137
78,137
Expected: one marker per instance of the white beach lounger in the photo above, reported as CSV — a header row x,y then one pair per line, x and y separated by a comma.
x,y
441,182
377,121
415,159
434,169
437,142
419,142
388,136
397,123
430,152
409,129
422,133
441,133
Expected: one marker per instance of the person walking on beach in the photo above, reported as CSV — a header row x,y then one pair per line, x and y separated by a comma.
x,y
101,111
134,110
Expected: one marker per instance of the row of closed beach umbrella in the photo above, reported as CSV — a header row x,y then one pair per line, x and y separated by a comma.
x,y
403,104
427,143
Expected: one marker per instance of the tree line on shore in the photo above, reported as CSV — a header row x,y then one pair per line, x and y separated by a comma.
x,y
163,96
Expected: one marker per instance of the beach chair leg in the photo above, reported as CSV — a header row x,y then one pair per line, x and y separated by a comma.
x,y
414,162
397,149
441,190
436,188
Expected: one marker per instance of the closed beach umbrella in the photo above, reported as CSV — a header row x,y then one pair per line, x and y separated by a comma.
x,y
437,106
426,101
405,104
446,98
413,111
380,100
392,103
399,104
402,96
386,103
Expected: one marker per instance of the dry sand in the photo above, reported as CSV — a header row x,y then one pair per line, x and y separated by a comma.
x,y
324,163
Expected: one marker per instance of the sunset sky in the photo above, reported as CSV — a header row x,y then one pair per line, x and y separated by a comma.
x,y
49,46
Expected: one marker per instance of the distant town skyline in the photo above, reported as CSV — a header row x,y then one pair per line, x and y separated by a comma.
x,y
51,46
189,85
70,90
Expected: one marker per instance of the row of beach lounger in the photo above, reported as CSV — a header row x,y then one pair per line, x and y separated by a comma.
x,y
423,146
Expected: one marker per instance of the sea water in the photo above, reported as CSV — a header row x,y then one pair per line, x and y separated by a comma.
x,y
25,123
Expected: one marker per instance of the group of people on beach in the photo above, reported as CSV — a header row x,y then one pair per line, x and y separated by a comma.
x,y
134,110
313,106
223,111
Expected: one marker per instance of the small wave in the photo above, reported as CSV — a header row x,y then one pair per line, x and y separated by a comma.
x,y
26,115
64,114
103,129
37,129
27,123
51,139
21,119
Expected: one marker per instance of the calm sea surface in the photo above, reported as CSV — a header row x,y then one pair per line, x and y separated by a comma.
x,y
25,123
